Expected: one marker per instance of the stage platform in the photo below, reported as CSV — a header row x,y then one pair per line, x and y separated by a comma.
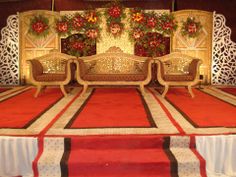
x,y
118,132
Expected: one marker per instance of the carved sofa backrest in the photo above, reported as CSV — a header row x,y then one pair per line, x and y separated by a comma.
x,y
113,61
113,68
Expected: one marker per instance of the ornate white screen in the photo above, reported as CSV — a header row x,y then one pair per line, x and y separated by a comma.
x,y
224,53
9,52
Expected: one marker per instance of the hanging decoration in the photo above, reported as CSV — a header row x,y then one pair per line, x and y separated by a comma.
x,y
78,45
167,24
148,31
191,28
153,44
84,23
63,26
92,28
115,14
143,22
39,26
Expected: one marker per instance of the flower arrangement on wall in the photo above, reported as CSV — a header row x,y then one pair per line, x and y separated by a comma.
x,y
115,14
63,26
78,45
143,22
191,28
39,26
153,44
148,31
85,23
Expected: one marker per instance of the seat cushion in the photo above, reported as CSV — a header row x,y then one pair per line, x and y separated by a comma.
x,y
114,77
178,77
50,77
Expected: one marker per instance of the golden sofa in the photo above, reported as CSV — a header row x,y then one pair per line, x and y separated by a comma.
x,y
177,69
113,68
51,69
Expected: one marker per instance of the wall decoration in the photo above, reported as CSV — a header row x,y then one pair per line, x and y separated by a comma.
x,y
115,14
78,45
39,26
223,56
9,55
168,24
63,26
153,44
84,23
191,28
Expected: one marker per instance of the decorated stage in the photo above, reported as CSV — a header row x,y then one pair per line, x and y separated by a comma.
x,y
117,132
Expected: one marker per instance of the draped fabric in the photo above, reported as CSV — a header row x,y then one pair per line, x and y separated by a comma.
x,y
219,153
17,155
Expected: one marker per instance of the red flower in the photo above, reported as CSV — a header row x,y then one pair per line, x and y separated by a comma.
x,y
77,45
167,26
114,11
78,22
151,22
62,27
39,26
140,51
192,28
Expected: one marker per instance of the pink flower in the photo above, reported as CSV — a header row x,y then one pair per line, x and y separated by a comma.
x,y
62,26
92,33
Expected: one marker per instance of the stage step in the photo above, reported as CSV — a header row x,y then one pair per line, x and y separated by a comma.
x,y
118,157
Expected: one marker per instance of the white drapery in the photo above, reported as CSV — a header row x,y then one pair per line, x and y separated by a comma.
x,y
220,154
17,155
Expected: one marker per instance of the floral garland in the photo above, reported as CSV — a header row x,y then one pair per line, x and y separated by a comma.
x,y
143,22
114,14
85,23
167,24
79,45
152,44
191,28
92,29
39,26
63,26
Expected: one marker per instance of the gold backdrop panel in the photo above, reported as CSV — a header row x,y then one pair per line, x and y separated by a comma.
x,y
200,46
32,46
108,40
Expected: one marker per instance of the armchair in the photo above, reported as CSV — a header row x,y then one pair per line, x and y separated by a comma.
x,y
50,69
177,69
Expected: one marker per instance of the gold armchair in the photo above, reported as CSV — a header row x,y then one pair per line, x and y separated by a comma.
x,y
177,69
52,69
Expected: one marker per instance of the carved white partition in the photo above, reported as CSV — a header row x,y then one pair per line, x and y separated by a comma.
x,y
223,53
9,52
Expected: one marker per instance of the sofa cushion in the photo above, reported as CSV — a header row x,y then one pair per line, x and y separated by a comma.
x,y
178,77
50,77
114,77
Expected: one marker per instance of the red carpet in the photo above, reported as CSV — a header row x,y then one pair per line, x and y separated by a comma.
x,y
22,110
203,110
117,156
231,91
121,156
122,107
3,89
